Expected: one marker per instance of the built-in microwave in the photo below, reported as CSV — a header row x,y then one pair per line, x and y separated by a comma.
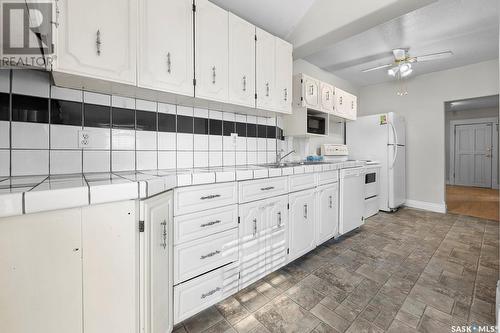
x,y
316,124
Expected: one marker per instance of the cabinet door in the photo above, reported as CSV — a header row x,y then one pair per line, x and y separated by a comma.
x,y
211,58
301,223
241,61
252,242
277,233
284,69
41,272
110,238
327,220
266,71
310,92
157,258
166,46
353,107
97,39
340,108
327,97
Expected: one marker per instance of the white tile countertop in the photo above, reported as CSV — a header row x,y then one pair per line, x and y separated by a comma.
x,y
30,194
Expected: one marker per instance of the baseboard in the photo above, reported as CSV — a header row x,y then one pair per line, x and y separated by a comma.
x,y
430,206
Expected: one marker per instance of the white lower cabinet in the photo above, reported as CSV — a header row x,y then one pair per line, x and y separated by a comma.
x,y
41,272
263,238
156,258
110,242
327,219
198,294
302,232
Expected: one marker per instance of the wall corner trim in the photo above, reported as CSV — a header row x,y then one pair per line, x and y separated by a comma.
x,y
430,206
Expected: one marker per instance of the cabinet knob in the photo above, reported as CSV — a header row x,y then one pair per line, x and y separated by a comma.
x,y
213,75
340,100
267,89
98,42
244,83
169,63
164,234
254,228
286,94
279,219
331,202
305,211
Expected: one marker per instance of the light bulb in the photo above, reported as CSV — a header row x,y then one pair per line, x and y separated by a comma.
x,y
406,73
405,67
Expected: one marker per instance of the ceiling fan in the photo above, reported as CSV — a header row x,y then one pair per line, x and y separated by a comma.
x,y
402,65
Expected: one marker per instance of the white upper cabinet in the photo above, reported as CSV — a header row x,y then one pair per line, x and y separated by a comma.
x,y
327,97
310,92
98,39
211,52
166,46
266,69
346,104
241,62
284,68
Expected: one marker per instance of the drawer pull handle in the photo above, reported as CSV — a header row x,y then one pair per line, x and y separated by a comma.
x,y
210,293
211,254
305,211
212,196
279,219
331,202
267,188
254,228
164,224
210,223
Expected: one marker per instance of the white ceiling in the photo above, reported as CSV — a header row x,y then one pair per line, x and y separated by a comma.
x,y
487,102
469,28
278,17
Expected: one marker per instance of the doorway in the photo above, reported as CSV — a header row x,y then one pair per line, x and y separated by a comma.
x,y
472,157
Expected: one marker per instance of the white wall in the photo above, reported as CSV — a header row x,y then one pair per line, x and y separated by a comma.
x,y
463,115
423,109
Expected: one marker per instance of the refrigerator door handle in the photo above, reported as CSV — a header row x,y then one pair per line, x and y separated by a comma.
x,y
395,145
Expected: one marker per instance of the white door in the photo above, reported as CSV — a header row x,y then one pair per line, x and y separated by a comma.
x,y
211,51
327,220
98,39
473,152
265,69
252,242
166,46
340,107
284,69
110,239
397,175
327,97
310,92
241,61
302,221
158,286
352,106
277,232
41,272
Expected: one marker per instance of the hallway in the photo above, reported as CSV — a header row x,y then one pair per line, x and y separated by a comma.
x,y
473,201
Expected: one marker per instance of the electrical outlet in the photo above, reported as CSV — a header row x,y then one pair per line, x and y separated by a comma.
x,y
233,139
83,139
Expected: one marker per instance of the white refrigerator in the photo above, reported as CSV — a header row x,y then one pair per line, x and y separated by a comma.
x,y
382,138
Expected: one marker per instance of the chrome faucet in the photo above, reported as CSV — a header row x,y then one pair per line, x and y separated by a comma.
x,y
279,158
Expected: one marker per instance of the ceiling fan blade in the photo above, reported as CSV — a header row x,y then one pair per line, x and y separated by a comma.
x,y
433,56
376,68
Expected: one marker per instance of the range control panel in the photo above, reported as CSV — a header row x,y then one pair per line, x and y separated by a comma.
x,y
331,149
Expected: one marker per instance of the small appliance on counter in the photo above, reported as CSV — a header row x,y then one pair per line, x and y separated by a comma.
x,y
334,152
372,188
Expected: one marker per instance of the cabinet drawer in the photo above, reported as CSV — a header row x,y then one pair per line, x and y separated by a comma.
x,y
198,294
201,224
202,255
264,188
302,182
328,177
197,198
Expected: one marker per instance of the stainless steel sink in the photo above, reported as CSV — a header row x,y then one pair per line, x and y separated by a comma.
x,y
290,164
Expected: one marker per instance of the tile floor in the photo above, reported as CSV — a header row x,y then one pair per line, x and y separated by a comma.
x,y
411,271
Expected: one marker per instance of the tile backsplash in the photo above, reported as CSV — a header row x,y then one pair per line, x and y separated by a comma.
x,y
46,129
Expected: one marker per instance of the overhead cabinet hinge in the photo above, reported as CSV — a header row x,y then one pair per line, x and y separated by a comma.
x,y
255,37
287,251
141,226
255,96
194,82
194,7
239,220
287,206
